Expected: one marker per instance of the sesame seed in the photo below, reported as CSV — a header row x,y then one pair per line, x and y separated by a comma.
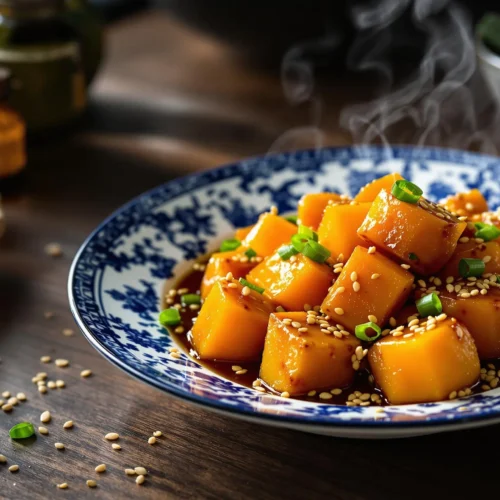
x,y
311,393
140,479
397,333
307,307
141,471
413,322
68,424
355,365
53,249
372,250
392,321
130,472
296,324
7,407
60,384
43,430
241,372
91,483
354,276
100,468
45,359
245,291
259,389
325,395
485,387
486,258
175,355
116,446
336,392
6,394
452,395
48,314
152,440
285,394
236,368
287,321
405,266
303,329
112,436
13,401
356,286
68,332
372,318
3,459
407,335
45,417
339,311
85,373
61,363
51,384
14,468
232,285
157,433
59,446
21,396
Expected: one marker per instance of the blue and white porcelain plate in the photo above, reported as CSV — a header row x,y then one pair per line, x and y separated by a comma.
x,y
117,277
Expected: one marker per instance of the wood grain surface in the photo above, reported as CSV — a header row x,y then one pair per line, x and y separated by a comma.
x,y
169,101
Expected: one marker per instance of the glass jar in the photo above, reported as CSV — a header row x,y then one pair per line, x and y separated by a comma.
x,y
12,134
42,51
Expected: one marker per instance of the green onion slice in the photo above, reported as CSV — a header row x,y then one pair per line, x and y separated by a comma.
x,y
412,256
231,244
22,431
292,218
429,305
170,317
406,191
190,298
299,241
360,331
307,232
316,252
250,253
256,288
487,232
287,251
471,267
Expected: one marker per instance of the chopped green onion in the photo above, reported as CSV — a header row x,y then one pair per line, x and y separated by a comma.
x,y
251,253
429,305
316,252
498,278
170,317
487,232
471,267
406,191
292,218
360,331
412,256
256,288
479,225
22,431
287,251
307,232
231,244
190,298
299,242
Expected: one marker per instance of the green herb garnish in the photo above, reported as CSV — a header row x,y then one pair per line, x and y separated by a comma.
x,y
228,245
360,331
429,305
256,288
250,253
170,317
471,267
22,431
190,298
406,191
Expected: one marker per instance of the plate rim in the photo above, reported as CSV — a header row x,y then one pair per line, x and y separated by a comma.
x,y
380,425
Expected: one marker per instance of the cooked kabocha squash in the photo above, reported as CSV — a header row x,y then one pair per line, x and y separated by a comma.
x,y
296,361
371,190
421,365
242,232
312,205
469,203
422,235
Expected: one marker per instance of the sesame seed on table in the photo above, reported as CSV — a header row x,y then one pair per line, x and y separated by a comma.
x,y
71,186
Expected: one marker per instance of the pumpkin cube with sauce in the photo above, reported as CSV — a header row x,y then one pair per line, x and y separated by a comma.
x,y
423,235
339,226
312,205
489,252
221,263
425,365
469,203
270,232
294,282
242,232
371,190
369,285
299,361
481,315
232,324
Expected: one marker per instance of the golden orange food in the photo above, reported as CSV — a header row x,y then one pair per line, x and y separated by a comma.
x,y
469,203
422,366
422,235
311,207
371,190
297,362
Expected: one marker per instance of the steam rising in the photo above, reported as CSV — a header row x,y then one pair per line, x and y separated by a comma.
x,y
444,102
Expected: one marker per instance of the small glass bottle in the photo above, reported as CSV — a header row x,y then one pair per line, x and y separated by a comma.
x,y
42,50
12,135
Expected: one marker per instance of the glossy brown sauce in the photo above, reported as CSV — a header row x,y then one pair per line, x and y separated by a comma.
x,y
362,383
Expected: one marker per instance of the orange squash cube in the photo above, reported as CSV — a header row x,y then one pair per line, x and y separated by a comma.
x,y
423,235
426,366
470,203
481,316
371,190
221,263
242,232
472,250
231,326
382,288
312,205
270,232
294,282
338,228
297,362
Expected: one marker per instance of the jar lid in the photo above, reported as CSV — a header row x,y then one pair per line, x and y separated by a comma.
x,y
5,76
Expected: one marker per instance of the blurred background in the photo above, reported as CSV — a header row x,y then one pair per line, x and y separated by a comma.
x,y
175,86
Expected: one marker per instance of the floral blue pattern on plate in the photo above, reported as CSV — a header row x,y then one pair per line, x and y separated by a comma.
x,y
118,276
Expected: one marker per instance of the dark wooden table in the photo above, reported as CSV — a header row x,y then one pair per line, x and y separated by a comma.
x,y
169,101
